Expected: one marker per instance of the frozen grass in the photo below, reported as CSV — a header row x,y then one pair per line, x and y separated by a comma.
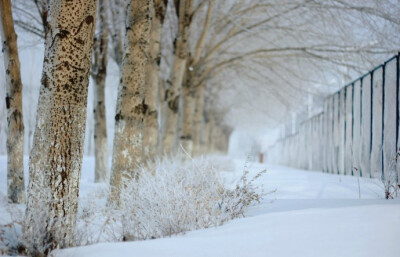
x,y
176,196
170,197
11,222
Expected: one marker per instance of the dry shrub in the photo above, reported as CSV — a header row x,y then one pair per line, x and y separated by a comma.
x,y
169,197
390,180
175,196
11,222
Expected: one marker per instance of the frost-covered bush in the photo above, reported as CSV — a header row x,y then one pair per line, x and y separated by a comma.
x,y
11,222
169,197
12,238
97,222
174,197
390,181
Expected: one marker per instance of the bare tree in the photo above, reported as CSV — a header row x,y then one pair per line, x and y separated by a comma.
x,y
56,157
192,96
293,52
99,72
150,127
131,107
15,136
172,95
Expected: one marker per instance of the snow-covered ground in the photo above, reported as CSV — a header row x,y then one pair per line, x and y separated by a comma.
x,y
310,214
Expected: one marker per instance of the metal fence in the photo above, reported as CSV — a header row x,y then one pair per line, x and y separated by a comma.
x,y
357,132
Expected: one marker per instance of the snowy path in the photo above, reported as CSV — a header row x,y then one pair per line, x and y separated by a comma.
x,y
311,214
352,231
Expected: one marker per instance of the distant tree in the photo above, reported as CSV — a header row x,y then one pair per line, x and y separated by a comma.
x,y
99,72
280,52
56,157
180,56
193,96
150,126
15,136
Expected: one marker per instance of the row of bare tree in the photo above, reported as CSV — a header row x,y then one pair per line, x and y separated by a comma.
x,y
176,59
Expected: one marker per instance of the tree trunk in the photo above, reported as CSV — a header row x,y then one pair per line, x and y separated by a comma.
x,y
117,29
198,119
99,111
173,92
150,127
212,136
223,140
131,108
162,108
15,122
191,87
56,156
205,145
209,147
189,101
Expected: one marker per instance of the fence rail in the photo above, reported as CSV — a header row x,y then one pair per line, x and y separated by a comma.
x,y
357,131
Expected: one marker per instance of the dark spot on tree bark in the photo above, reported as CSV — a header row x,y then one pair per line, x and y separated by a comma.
x,y
166,95
102,70
44,18
118,117
63,33
153,114
89,19
8,102
174,45
66,87
186,137
141,108
4,46
45,81
79,41
17,115
174,104
7,71
158,60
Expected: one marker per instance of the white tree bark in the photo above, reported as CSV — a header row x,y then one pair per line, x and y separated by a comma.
x,y
191,87
198,120
150,127
56,156
117,16
99,79
189,104
15,136
131,108
173,91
